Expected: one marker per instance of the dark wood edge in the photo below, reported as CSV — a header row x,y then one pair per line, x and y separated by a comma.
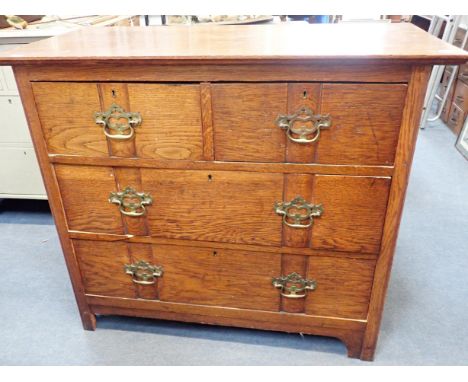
x,y
443,59
53,193
227,72
287,168
405,150
81,235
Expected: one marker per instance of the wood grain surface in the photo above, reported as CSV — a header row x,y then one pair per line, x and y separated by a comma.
x,y
354,213
244,116
214,206
210,43
230,207
222,277
171,127
366,119
285,168
66,111
168,130
343,287
342,71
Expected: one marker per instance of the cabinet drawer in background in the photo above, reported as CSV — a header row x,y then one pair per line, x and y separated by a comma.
x,y
232,207
170,125
222,277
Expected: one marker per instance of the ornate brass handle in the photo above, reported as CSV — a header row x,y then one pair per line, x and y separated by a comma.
x,y
131,202
294,285
118,120
291,211
143,273
303,126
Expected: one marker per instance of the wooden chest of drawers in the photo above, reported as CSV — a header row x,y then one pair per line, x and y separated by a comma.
x,y
230,175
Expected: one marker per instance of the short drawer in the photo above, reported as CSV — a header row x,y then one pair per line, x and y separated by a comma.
x,y
158,121
343,213
334,286
307,122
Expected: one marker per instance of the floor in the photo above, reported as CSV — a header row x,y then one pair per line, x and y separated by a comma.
x,y
425,320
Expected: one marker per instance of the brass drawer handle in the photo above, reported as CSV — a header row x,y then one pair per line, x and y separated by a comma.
x,y
131,202
294,285
291,211
118,120
143,273
303,126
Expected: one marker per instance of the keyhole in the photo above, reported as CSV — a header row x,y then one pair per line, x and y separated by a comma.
x,y
215,253
9,101
304,94
210,177
113,93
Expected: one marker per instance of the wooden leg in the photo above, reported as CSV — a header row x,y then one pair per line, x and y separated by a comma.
x,y
353,343
88,320
367,354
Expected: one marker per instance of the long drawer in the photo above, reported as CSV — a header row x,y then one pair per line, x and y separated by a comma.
x,y
342,213
334,286
327,123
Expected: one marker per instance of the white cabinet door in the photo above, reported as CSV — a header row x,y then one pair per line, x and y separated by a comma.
x,y
19,174
13,127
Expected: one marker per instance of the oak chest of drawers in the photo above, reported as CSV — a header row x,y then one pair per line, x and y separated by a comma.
x,y
247,176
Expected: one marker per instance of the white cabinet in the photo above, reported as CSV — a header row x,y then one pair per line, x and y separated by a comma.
x,y
20,176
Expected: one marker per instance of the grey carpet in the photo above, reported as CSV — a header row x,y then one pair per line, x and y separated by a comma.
x,y
425,320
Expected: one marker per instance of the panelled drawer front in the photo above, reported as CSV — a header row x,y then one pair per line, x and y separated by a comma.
x,y
232,207
365,122
222,277
235,207
360,123
170,127
190,275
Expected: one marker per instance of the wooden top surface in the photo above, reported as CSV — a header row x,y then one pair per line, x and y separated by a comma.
x,y
215,43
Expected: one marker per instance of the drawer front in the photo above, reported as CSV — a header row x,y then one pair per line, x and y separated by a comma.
x,y
232,207
342,123
364,122
223,277
170,125
190,275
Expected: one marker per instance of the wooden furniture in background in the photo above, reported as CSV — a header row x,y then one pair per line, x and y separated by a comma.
x,y
207,174
455,109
